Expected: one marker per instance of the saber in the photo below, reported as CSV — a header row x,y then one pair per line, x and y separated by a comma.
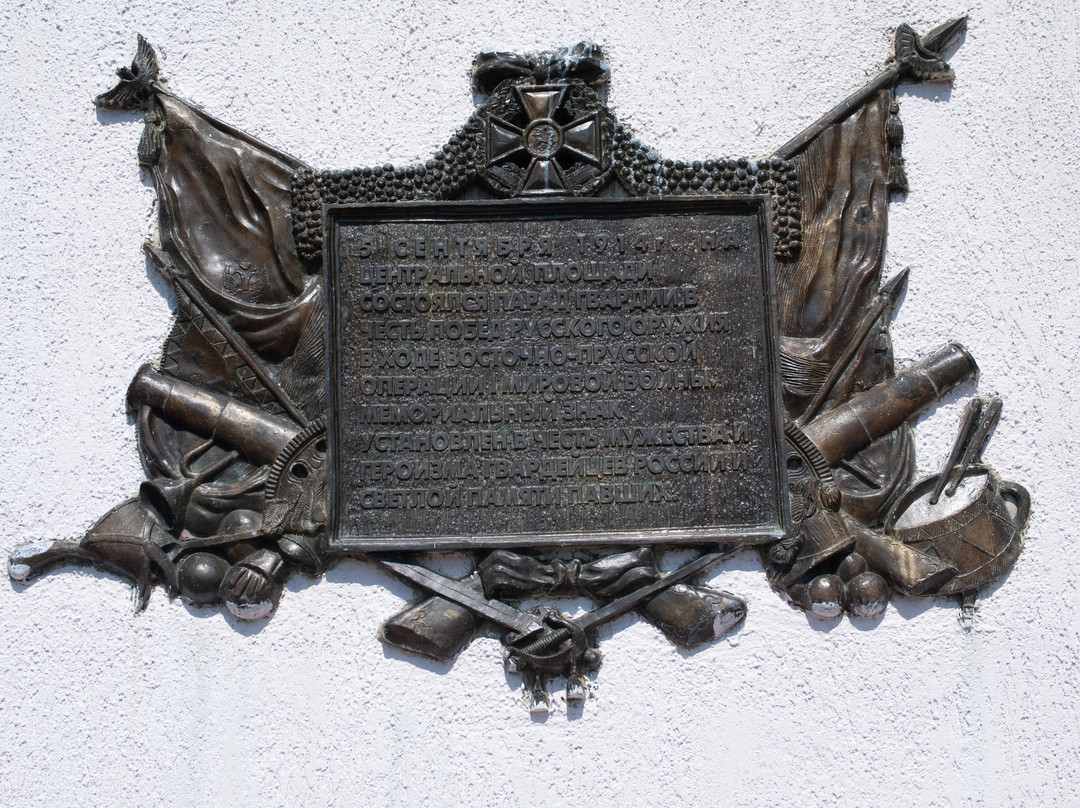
x,y
469,597
523,622
632,599
538,646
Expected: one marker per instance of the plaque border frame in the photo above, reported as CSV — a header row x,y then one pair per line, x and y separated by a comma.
x,y
541,209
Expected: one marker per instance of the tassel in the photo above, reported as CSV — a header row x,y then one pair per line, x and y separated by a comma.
x,y
898,182
894,136
153,139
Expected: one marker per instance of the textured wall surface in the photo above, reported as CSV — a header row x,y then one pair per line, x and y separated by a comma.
x,y
183,706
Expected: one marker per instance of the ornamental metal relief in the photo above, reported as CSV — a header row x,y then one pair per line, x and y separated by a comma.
x,y
553,350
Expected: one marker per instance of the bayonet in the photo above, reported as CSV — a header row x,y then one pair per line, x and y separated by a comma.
x,y
165,267
884,302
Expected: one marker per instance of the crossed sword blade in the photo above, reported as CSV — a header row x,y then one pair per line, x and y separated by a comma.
x,y
509,617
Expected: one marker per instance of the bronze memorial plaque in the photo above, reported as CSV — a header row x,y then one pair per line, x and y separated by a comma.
x,y
552,372
553,347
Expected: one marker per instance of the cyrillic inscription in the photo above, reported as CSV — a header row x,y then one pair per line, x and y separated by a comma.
x,y
573,372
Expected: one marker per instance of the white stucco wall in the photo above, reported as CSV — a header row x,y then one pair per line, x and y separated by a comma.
x,y
183,706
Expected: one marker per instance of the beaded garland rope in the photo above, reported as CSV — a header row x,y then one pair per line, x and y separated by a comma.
x,y
459,164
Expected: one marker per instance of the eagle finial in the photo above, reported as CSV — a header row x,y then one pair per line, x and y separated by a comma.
x,y
136,84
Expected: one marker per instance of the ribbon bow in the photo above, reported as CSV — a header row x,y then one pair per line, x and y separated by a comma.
x,y
505,574
584,62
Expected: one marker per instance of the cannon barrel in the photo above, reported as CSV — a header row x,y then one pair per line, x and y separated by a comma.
x,y
867,416
255,434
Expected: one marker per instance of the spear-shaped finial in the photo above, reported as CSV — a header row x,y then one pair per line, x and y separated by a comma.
x,y
940,39
921,57
914,56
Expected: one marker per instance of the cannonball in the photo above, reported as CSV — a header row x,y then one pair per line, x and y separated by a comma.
x,y
851,566
199,576
826,596
867,595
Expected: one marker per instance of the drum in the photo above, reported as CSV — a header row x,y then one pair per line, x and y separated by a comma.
x,y
979,529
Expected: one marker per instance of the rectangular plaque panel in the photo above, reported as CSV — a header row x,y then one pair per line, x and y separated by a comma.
x,y
537,373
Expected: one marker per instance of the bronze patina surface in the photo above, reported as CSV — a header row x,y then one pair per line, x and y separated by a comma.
x,y
553,372
561,387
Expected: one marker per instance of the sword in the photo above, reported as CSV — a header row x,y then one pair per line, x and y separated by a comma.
x,y
537,645
525,623
472,598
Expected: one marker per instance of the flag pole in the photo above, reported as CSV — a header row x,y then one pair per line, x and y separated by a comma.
x,y
915,56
